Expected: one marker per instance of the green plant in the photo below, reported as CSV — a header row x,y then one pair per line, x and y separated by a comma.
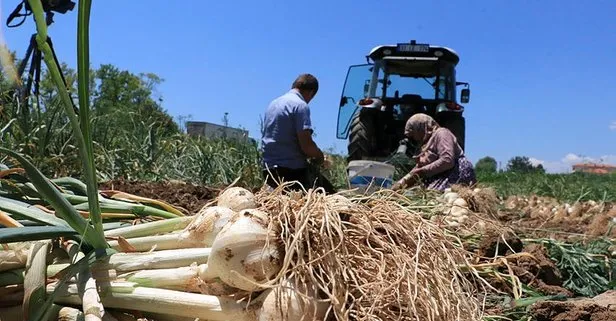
x,y
36,305
565,187
587,268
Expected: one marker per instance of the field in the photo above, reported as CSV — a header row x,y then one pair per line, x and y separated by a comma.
x,y
107,214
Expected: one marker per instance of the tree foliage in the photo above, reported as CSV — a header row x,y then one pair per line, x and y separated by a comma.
x,y
522,164
486,165
123,100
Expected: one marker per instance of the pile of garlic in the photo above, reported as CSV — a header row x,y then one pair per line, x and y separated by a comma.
x,y
455,208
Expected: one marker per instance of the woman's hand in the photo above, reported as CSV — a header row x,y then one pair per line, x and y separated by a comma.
x,y
417,171
399,185
413,177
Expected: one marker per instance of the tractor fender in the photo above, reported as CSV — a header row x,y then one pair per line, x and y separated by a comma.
x,y
372,103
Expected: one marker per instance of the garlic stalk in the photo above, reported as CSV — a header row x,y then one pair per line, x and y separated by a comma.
x,y
200,232
156,260
244,253
181,279
126,295
150,228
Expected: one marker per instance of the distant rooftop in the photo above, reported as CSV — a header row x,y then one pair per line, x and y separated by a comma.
x,y
594,168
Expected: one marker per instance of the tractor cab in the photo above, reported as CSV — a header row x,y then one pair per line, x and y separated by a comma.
x,y
397,82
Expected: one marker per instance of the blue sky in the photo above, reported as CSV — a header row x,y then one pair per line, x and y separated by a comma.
x,y
541,72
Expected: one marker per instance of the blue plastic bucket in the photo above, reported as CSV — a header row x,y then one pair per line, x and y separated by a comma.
x,y
369,176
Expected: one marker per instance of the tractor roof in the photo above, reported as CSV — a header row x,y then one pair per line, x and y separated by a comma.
x,y
413,49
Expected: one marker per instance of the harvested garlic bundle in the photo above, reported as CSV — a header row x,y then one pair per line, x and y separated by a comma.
x,y
244,253
237,199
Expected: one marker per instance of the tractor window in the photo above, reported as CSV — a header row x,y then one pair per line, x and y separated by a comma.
x,y
357,83
380,81
422,86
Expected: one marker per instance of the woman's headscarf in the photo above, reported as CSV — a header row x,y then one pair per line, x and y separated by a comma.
x,y
422,124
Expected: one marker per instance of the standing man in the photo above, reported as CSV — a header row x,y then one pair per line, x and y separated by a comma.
x,y
287,138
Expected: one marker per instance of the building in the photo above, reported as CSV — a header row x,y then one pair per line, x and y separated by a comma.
x,y
209,130
594,168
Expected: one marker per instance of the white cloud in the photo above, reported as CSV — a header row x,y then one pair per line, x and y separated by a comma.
x,y
565,164
535,161
571,158
613,125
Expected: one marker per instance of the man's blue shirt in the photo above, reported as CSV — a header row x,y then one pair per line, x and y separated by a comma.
x,y
284,118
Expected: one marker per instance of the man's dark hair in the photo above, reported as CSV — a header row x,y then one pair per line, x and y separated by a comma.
x,y
306,82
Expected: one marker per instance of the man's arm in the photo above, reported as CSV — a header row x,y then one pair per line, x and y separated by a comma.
x,y
308,146
303,126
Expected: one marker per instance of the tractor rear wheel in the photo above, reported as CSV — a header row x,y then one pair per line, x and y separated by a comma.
x,y
362,136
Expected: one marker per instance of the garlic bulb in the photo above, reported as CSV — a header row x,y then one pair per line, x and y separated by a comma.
x,y
237,199
207,224
450,197
458,211
460,202
244,253
288,303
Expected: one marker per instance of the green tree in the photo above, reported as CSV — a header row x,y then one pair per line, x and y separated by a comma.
x,y
123,101
486,165
539,169
522,164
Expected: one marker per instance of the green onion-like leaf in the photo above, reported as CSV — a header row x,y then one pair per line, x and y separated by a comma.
x,y
83,87
32,213
114,208
137,209
60,204
95,236
74,184
34,233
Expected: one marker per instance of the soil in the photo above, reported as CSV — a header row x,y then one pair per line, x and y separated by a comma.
x,y
495,243
600,308
532,266
187,197
539,272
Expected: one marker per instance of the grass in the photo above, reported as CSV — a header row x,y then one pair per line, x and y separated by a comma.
x,y
564,187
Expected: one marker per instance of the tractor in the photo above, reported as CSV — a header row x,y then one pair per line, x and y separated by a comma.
x,y
397,82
